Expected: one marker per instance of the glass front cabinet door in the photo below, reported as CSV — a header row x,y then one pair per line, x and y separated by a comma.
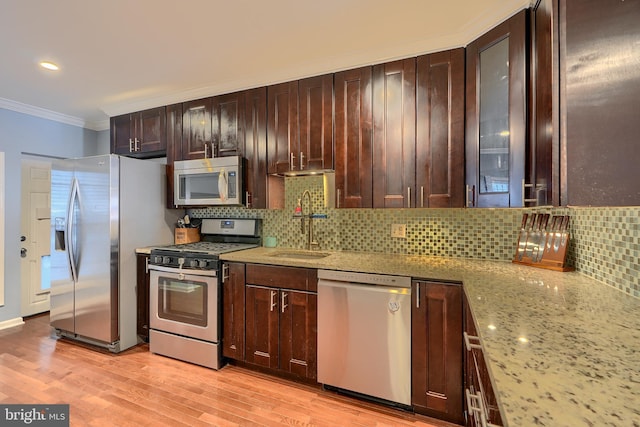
x,y
495,139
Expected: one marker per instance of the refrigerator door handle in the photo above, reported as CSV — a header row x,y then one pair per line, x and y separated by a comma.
x,y
71,237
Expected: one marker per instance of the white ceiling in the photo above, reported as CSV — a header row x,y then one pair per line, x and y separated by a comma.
x,y
119,56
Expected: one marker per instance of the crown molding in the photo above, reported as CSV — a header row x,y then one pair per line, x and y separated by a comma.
x,y
43,113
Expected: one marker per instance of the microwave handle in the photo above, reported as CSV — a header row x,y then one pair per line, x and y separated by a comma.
x,y
223,185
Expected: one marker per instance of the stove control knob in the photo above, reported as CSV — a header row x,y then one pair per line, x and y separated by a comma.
x,y
193,263
166,260
157,259
202,263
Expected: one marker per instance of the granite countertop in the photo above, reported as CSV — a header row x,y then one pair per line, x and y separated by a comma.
x,y
562,348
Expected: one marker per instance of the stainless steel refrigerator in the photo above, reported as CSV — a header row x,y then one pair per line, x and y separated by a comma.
x,y
102,209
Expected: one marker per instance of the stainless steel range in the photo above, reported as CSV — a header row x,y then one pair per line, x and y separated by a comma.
x,y
185,292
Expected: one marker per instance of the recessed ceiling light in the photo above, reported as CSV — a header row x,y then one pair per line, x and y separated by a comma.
x,y
49,65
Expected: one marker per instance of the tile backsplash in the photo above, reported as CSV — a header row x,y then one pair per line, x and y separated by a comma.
x,y
605,241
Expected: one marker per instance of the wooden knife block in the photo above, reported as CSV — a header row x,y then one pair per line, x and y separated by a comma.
x,y
543,246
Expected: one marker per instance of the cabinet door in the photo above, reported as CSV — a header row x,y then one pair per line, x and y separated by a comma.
x,y
282,127
255,147
316,123
298,333
151,131
228,124
261,326
121,132
233,292
143,280
496,115
394,134
437,366
196,129
543,165
477,374
353,156
600,100
440,130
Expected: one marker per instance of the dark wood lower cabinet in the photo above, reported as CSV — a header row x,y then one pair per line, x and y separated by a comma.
x,y
298,333
233,303
142,296
476,377
437,349
261,326
269,318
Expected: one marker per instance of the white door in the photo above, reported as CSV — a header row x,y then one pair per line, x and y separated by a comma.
x,y
35,235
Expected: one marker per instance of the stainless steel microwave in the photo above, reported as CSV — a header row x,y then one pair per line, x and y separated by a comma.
x,y
208,182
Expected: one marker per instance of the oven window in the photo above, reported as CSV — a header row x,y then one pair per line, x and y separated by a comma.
x,y
183,301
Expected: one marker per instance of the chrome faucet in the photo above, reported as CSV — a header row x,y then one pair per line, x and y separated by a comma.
x,y
311,242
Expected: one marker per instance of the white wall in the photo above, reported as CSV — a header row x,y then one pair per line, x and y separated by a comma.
x,y
22,133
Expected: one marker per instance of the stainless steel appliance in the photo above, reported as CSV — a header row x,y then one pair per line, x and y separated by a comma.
x,y
102,209
203,182
185,291
364,334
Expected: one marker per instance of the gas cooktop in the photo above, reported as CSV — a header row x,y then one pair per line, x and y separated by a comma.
x,y
210,248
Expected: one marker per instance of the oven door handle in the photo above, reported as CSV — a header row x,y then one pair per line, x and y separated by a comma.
x,y
186,272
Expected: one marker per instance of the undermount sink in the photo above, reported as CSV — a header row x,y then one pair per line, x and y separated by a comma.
x,y
300,254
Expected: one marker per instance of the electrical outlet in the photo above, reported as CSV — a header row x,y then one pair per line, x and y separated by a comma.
x,y
399,230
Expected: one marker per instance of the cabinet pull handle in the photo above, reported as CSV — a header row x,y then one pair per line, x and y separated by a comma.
x,y
292,162
524,199
146,265
283,303
225,272
339,193
247,196
408,197
130,145
471,202
301,160
422,196
206,150
475,407
135,145
417,296
274,301
468,344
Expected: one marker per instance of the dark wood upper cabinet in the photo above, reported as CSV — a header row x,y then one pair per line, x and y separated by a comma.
x,y
300,125
496,115
437,351
394,134
141,134
353,140
315,117
282,127
228,133
600,100
255,147
543,155
440,130
197,128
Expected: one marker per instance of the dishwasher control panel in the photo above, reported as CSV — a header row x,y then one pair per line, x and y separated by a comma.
x,y
365,278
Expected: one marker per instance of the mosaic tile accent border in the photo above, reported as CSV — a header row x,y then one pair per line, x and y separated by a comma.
x,y
605,242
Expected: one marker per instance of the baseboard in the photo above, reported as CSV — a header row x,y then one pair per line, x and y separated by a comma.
x,y
11,323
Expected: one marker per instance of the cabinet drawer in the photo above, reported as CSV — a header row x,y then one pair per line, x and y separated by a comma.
x,y
304,279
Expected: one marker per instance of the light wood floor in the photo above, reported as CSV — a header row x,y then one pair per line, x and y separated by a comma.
x,y
137,388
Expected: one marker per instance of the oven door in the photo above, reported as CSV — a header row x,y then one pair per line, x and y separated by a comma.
x,y
185,302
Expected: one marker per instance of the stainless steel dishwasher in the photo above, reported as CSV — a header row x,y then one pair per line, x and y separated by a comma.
x,y
364,334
